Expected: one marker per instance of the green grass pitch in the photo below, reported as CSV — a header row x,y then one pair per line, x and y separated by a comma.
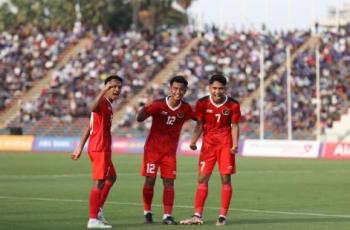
x,y
50,191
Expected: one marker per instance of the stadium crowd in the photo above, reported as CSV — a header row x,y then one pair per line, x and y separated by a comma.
x,y
138,57
26,55
236,54
334,87
135,56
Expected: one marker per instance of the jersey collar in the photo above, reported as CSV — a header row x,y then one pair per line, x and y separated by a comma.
x,y
217,105
108,100
168,104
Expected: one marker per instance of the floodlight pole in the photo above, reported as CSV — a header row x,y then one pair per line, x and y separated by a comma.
x,y
262,89
289,96
318,95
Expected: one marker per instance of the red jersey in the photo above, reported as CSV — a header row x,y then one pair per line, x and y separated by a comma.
x,y
217,120
100,127
166,126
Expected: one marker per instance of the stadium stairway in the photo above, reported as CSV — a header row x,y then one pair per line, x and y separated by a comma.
x,y
13,110
311,42
340,131
163,76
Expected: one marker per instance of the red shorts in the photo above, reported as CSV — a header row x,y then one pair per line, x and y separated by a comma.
x,y
208,157
153,161
102,165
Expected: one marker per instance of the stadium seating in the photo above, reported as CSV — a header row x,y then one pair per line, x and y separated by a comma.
x,y
26,55
135,56
138,57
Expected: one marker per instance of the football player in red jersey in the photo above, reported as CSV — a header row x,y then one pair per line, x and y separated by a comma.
x,y
217,118
168,116
99,150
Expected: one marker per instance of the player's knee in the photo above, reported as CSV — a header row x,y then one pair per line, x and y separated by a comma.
x,y
168,183
112,179
226,179
99,184
203,179
150,181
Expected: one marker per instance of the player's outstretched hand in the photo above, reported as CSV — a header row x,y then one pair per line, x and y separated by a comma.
x,y
193,146
77,152
107,87
234,150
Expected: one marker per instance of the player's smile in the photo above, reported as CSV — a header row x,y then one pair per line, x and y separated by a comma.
x,y
177,91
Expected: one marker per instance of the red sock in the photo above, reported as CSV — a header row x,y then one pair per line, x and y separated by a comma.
x,y
201,196
105,191
168,200
95,195
226,194
147,197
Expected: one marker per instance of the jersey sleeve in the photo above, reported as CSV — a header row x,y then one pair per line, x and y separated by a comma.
x,y
236,113
190,115
100,105
151,109
198,112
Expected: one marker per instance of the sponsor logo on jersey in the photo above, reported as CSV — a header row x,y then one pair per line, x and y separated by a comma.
x,y
209,111
226,112
164,113
181,115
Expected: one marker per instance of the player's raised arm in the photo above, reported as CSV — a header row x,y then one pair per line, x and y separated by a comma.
x,y
144,112
95,103
79,149
197,132
235,137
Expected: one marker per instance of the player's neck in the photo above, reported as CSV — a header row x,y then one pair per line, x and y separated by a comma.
x,y
220,101
173,103
109,99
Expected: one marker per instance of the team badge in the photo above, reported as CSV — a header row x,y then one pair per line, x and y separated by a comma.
x,y
164,113
181,115
226,112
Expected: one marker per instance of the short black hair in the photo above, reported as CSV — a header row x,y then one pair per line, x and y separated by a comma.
x,y
179,79
218,77
113,77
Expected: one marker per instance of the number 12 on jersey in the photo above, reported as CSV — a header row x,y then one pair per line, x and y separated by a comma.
x,y
150,168
170,120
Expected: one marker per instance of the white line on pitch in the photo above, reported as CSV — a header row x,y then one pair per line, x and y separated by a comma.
x,y
184,206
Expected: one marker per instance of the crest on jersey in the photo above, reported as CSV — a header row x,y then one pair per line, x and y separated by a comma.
x,y
181,115
164,113
226,112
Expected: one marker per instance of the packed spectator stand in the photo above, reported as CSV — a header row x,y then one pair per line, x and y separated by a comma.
x,y
137,57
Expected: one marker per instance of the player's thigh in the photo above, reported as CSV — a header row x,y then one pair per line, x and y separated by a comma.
x,y
206,163
168,166
99,165
111,171
150,164
226,161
